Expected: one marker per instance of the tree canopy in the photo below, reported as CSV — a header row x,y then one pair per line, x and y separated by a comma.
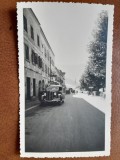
x,y
95,72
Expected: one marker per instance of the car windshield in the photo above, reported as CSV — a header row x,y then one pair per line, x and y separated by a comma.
x,y
53,88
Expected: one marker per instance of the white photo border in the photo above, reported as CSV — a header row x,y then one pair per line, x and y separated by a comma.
x,y
110,9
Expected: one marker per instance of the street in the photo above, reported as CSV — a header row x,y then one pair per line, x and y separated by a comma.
x,y
74,126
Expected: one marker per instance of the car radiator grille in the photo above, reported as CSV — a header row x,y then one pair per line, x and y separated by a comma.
x,y
49,95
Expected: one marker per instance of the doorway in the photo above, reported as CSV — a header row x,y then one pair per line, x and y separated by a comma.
x,y
28,88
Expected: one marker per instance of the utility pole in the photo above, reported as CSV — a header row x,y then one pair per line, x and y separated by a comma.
x,y
50,69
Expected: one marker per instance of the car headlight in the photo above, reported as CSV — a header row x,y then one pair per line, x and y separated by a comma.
x,y
54,93
59,95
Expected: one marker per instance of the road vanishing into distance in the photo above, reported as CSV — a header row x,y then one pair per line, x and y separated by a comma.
x,y
74,126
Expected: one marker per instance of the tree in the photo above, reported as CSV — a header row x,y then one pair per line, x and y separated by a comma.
x,y
95,72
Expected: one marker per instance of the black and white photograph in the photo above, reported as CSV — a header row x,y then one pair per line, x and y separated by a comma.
x,y
65,69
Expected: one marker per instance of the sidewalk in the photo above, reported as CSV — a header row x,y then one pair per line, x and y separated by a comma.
x,y
96,101
29,104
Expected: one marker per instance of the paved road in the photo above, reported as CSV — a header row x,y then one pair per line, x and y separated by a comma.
x,y
74,126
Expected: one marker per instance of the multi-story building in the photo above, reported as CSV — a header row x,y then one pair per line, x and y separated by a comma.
x,y
48,59
39,57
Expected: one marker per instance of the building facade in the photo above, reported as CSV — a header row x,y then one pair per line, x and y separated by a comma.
x,y
39,58
60,76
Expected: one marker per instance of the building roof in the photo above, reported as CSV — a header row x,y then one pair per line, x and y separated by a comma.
x,y
34,15
41,30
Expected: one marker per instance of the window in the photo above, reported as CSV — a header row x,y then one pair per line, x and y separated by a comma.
x,y
26,52
39,62
45,52
34,58
32,32
60,88
25,23
52,62
48,70
50,59
48,55
45,68
38,41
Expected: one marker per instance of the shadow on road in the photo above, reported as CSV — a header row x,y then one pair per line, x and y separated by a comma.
x,y
43,108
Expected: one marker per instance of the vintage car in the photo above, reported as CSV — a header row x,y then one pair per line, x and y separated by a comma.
x,y
53,94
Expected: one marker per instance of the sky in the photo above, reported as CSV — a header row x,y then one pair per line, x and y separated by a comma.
x,y
68,28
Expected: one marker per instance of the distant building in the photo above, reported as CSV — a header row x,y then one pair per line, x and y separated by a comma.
x,y
39,57
60,76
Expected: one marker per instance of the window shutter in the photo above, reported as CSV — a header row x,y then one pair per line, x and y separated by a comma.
x,y
32,57
42,66
40,63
